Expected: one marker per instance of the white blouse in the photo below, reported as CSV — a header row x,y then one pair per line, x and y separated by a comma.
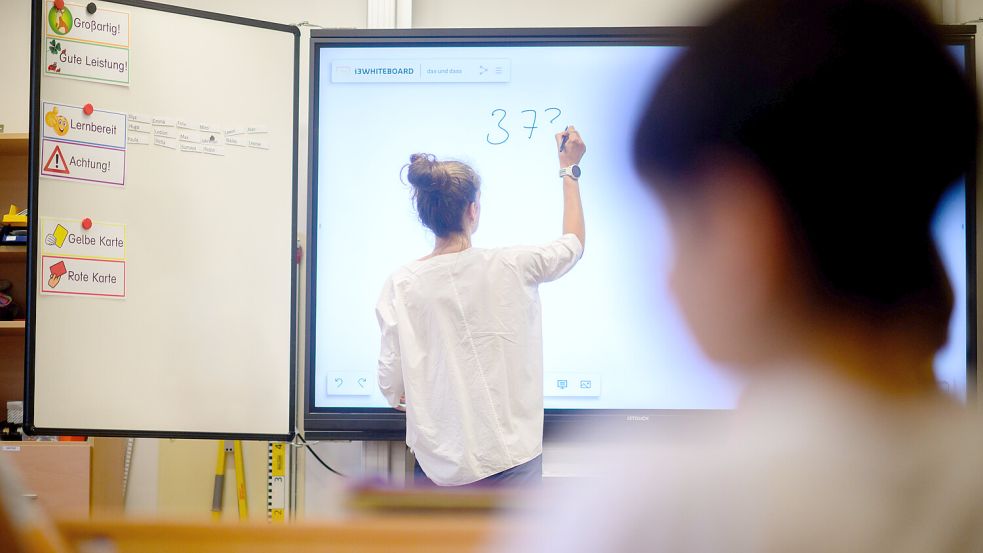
x,y
462,340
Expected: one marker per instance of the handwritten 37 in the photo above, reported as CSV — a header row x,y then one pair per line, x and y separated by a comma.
x,y
501,134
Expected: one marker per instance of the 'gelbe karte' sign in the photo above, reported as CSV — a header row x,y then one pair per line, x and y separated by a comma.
x,y
80,147
64,237
92,46
82,257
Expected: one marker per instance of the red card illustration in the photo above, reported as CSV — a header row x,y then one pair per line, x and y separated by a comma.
x,y
58,269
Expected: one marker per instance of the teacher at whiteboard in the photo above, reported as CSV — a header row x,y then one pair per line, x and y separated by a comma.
x,y
462,347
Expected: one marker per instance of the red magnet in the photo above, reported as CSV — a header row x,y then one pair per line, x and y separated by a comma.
x,y
59,5
87,109
86,223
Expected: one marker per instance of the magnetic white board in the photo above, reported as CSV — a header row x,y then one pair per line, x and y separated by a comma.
x,y
163,223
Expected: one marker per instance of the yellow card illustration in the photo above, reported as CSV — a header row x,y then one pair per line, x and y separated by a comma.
x,y
57,237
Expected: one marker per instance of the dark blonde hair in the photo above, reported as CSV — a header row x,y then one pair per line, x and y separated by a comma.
x,y
442,191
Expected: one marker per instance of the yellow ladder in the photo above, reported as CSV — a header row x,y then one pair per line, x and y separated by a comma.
x,y
224,448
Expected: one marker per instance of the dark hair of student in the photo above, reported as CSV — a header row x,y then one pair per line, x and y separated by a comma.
x,y
859,117
442,191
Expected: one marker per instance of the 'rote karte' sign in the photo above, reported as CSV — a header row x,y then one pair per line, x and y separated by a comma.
x,y
82,257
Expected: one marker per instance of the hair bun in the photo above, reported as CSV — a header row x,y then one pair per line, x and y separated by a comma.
x,y
442,192
421,172
423,158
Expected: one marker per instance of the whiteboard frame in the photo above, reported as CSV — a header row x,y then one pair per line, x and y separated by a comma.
x,y
34,144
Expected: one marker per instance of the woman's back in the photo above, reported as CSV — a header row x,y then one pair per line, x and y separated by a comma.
x,y
462,331
466,328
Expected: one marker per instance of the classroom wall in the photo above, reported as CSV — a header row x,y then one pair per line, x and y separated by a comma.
x,y
561,13
580,13
15,52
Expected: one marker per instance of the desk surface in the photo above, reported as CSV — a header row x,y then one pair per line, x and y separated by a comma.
x,y
362,534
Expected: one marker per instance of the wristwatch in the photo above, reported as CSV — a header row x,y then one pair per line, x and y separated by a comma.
x,y
573,171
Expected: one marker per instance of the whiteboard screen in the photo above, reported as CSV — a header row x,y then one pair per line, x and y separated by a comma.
x,y
163,223
498,108
614,340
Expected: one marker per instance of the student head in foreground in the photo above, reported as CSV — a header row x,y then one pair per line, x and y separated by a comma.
x,y
800,148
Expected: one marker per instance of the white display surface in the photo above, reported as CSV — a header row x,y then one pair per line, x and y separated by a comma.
x,y
613,338
198,337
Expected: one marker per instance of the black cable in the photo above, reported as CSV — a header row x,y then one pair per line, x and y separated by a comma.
x,y
319,460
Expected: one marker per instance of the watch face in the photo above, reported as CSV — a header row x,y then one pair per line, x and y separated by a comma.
x,y
575,170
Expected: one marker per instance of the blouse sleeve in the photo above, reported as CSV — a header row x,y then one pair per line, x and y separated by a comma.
x,y
390,368
548,261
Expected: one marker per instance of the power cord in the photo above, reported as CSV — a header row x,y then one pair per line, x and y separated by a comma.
x,y
306,444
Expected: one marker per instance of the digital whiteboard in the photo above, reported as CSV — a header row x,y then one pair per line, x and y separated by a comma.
x,y
615,344
163,227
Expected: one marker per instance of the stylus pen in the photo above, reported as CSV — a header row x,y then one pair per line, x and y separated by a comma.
x,y
564,141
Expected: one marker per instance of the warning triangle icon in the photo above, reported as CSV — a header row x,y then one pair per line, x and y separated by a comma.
x,y
56,163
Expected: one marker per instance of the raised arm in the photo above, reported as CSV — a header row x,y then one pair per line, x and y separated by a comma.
x,y
571,149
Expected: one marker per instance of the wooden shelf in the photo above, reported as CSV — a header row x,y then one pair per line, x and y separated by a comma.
x,y
13,253
13,143
13,260
11,328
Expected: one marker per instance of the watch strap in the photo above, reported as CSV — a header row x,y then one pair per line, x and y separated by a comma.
x,y
568,172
